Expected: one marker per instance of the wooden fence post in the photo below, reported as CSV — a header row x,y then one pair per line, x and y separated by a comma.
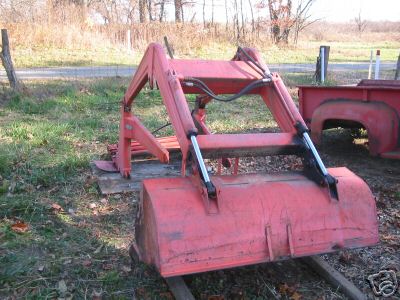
x,y
169,49
397,75
6,60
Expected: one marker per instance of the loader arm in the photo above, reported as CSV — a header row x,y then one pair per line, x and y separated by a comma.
x,y
199,221
245,72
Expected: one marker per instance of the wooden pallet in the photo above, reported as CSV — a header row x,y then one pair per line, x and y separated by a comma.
x,y
112,182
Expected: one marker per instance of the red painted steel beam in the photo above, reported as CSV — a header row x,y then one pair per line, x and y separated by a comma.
x,y
250,144
219,70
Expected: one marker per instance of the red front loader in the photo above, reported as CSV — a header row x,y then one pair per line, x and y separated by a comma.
x,y
199,222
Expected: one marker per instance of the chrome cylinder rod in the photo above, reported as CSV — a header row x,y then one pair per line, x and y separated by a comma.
x,y
199,157
310,145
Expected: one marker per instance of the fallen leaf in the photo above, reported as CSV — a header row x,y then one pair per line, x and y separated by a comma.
x,y
20,227
216,297
295,296
11,187
89,181
57,207
126,269
62,287
107,266
106,209
97,295
82,224
284,288
98,249
40,268
87,263
167,295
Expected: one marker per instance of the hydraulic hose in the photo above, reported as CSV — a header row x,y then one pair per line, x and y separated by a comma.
x,y
201,85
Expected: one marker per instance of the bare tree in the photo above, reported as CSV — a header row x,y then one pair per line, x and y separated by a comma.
x,y
226,15
252,17
302,18
178,11
242,17
142,11
212,12
161,9
150,10
204,13
284,18
280,17
236,27
360,23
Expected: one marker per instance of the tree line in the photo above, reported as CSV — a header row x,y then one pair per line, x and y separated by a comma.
x,y
282,19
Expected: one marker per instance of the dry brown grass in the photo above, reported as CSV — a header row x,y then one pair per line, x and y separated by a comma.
x,y
80,35
77,43
348,32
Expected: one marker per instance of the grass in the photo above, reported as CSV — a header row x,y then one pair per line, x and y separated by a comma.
x,y
56,57
305,52
76,241
47,140
46,145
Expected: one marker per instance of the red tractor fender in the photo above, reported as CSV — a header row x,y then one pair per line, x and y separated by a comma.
x,y
379,119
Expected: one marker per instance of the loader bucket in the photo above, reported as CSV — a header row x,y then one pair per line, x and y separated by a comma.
x,y
259,218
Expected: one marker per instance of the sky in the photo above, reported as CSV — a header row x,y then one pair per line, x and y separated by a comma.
x,y
329,10
345,10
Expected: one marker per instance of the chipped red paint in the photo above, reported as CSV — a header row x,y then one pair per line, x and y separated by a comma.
x,y
181,228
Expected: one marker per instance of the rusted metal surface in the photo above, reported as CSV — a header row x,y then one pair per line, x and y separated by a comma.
x,y
260,218
236,145
199,221
170,143
373,104
223,77
379,83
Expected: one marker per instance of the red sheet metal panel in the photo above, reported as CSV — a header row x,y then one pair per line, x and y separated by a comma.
x,y
260,218
380,120
310,97
214,69
250,144
375,104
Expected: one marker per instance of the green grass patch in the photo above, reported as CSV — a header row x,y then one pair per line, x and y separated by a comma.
x,y
47,140
55,57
